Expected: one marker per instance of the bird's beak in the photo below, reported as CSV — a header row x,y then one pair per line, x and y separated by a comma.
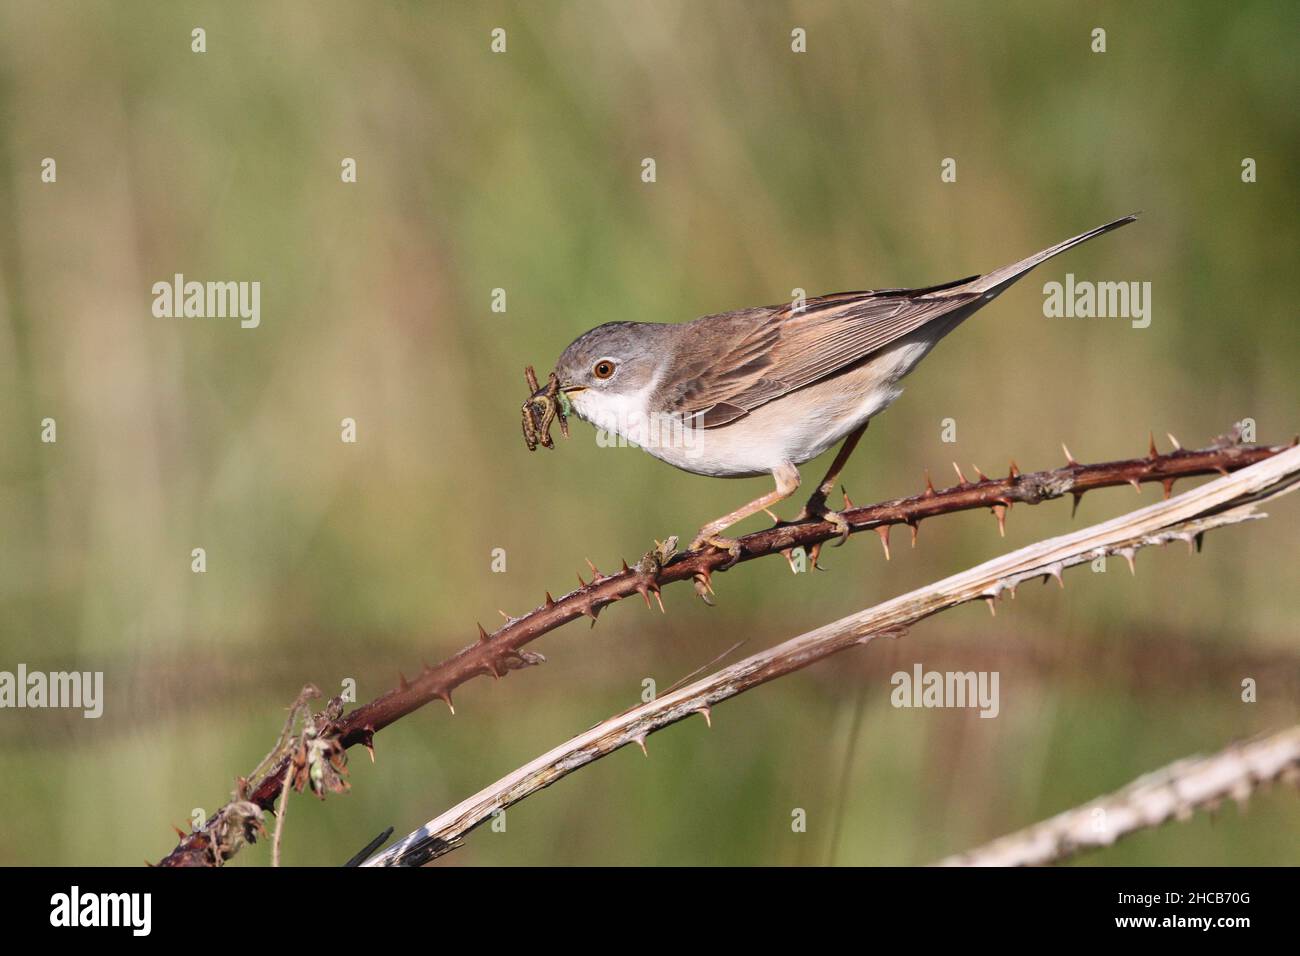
x,y
564,388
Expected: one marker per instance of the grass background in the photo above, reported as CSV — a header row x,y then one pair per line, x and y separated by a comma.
x,y
522,171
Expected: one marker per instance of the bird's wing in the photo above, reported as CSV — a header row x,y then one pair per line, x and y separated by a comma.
x,y
727,365
771,351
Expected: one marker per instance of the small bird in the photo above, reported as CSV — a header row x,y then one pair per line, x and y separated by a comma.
x,y
764,390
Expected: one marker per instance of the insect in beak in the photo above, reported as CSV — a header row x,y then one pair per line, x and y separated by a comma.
x,y
543,406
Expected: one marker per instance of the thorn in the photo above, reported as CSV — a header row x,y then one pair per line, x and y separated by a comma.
x,y
914,526
401,682
1168,484
368,741
992,603
1152,452
179,831
929,485
1000,512
1055,572
707,713
550,601
982,476
589,609
581,583
644,591
445,696
813,554
703,589
491,668
625,567
482,634
1128,556
1074,508
655,592
961,479
705,577
1015,472
788,554
1174,441
1221,470
595,571
848,502
1137,485
640,739
772,514
1069,459
883,531
504,615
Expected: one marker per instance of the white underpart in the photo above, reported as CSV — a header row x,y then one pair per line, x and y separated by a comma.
x,y
620,414
799,426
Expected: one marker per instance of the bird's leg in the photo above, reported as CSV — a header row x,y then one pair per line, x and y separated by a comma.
x,y
816,506
787,483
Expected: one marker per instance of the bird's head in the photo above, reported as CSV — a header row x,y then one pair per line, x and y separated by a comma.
x,y
603,370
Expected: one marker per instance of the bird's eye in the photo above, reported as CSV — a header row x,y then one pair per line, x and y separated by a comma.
x,y
603,369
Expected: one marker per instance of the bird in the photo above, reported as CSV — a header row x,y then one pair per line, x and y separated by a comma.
x,y
764,390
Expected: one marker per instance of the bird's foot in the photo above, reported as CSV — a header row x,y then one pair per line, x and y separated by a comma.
x,y
816,508
721,542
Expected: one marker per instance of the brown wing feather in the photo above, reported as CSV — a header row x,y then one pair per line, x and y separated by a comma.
x,y
705,380
776,350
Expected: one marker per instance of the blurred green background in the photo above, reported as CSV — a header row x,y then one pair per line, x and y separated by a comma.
x,y
521,171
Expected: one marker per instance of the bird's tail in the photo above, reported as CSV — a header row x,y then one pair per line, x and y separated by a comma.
x,y
999,279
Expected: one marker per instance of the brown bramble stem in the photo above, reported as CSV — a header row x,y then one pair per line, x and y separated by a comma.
x,y
499,652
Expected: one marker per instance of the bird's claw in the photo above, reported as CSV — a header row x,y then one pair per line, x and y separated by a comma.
x,y
841,525
722,543
816,508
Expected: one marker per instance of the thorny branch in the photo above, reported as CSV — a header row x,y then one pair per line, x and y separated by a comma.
x,y
1228,500
499,652
1174,792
